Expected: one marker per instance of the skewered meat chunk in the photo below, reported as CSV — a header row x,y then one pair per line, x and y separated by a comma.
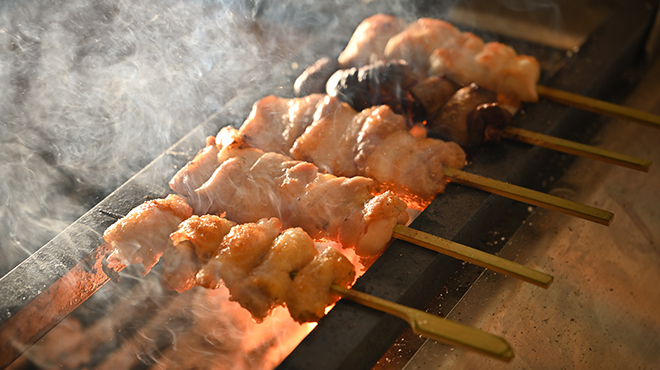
x,y
240,251
367,43
494,66
413,171
143,235
470,117
325,206
313,79
374,84
310,292
194,242
286,119
269,283
416,43
197,171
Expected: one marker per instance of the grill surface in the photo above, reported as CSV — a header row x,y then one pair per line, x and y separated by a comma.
x,y
39,292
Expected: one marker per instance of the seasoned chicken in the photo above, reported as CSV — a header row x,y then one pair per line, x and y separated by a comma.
x,y
194,242
330,143
269,283
310,292
416,43
494,66
197,171
275,123
325,206
240,251
143,234
367,43
378,144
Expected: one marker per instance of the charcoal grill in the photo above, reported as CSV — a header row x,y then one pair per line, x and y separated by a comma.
x,y
68,270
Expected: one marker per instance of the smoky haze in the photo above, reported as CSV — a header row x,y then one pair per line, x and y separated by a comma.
x,y
91,92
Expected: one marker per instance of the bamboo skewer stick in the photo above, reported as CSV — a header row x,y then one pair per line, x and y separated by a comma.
x,y
434,327
571,147
473,256
598,106
529,196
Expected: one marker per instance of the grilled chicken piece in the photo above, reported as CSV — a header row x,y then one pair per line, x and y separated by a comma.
x,y
367,43
240,251
413,171
375,84
197,171
416,43
275,123
194,242
325,206
494,66
143,234
470,118
268,284
330,144
310,293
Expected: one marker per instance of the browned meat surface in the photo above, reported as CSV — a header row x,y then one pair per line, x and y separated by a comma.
x,y
194,242
144,233
197,171
313,79
412,171
494,66
433,93
416,43
269,283
240,251
275,123
324,205
369,39
310,294
330,143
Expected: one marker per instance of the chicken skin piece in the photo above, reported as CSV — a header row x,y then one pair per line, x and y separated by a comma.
x,y
197,171
269,283
194,242
416,43
240,251
494,66
143,234
275,123
367,43
323,205
310,292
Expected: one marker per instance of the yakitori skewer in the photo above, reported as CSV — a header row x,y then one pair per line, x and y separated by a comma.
x,y
469,116
598,106
472,255
264,266
434,327
571,147
337,137
370,221
530,196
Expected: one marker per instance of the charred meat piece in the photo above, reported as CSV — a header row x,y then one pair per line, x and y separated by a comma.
x,y
433,93
375,84
310,293
194,242
470,117
239,252
269,283
144,233
313,79
367,44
